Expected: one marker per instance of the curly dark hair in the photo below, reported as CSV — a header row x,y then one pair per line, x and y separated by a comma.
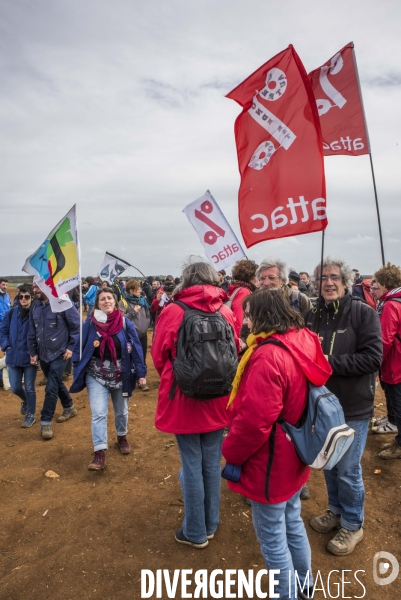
x,y
244,270
389,276
271,309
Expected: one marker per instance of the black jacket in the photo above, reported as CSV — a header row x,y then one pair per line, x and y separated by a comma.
x,y
352,341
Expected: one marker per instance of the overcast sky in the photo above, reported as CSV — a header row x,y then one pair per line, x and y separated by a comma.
x,y
118,106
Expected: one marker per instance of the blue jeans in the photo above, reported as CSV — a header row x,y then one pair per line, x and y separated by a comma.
x,y
393,397
27,394
284,544
200,482
99,401
55,388
344,482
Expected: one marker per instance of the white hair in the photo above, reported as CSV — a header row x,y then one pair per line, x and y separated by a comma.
x,y
268,263
347,274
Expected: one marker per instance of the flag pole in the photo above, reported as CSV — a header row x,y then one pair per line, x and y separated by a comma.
x,y
319,316
370,156
80,311
377,209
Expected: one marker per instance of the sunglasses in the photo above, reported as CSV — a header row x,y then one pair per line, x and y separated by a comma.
x,y
24,296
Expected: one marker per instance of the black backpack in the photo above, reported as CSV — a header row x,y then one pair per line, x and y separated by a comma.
x,y
206,360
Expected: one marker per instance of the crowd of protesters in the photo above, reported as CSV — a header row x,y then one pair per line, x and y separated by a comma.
x,y
333,328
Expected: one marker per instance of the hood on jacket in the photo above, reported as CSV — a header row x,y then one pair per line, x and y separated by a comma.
x,y
306,350
208,298
394,293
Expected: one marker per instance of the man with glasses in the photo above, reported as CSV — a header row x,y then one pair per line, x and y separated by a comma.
x,y
51,339
350,334
273,273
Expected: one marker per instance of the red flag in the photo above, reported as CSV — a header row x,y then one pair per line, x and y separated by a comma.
x,y
339,102
279,146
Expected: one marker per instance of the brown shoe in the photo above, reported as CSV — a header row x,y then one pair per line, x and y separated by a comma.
x,y
123,444
99,461
43,381
67,414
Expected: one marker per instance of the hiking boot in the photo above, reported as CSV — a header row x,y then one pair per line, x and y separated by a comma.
x,y
23,408
393,451
43,381
46,432
325,523
68,413
345,541
65,377
385,428
123,444
144,388
29,420
99,461
181,539
305,493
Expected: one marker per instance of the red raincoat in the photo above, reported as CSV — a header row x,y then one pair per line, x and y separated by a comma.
x,y
390,320
275,381
182,414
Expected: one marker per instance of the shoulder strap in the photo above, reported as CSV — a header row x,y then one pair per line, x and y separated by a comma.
x,y
230,301
356,312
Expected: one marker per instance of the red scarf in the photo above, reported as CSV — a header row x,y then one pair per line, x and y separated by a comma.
x,y
113,325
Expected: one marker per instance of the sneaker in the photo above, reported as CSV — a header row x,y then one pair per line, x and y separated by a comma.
x,y
385,428
46,432
99,461
123,444
380,420
181,539
393,451
68,413
29,420
325,523
23,408
305,493
345,541
144,388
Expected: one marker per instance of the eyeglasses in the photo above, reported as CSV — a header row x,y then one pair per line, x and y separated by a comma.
x,y
24,296
374,289
332,277
269,277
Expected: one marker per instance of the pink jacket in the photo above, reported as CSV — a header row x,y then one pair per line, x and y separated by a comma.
x,y
390,320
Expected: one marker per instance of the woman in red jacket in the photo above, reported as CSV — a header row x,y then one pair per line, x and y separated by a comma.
x,y
273,381
198,425
389,309
244,283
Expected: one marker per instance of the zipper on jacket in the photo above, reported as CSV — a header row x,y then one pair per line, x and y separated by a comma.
x,y
333,337
316,407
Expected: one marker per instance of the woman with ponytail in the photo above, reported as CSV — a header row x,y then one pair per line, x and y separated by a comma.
x,y
111,363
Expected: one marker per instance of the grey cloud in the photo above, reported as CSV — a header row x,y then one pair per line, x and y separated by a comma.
x,y
385,80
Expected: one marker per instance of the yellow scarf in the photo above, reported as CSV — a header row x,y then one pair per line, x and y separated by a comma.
x,y
252,345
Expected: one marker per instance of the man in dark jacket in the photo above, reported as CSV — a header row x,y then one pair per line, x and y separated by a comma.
x,y
351,340
51,339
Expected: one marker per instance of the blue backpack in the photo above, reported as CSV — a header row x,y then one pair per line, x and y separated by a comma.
x,y
322,437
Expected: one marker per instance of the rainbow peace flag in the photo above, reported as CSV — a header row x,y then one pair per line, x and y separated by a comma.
x,y
55,265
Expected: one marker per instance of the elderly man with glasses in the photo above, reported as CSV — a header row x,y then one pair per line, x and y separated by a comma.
x,y
350,334
273,273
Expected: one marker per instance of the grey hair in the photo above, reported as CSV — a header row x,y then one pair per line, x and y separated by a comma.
x,y
197,273
347,274
268,263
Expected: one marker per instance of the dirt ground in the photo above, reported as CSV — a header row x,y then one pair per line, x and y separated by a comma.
x,y
89,534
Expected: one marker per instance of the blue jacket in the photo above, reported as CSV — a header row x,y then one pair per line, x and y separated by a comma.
x,y
13,338
5,304
132,363
90,295
51,334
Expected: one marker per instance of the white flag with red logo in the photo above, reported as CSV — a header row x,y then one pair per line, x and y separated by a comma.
x,y
336,88
220,242
280,156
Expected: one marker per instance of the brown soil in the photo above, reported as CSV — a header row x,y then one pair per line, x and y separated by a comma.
x,y
88,534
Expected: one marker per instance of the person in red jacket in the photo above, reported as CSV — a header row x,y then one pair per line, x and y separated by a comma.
x,y
198,425
389,280
273,381
244,283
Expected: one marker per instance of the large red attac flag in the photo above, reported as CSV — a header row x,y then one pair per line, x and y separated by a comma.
x,y
280,152
338,97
